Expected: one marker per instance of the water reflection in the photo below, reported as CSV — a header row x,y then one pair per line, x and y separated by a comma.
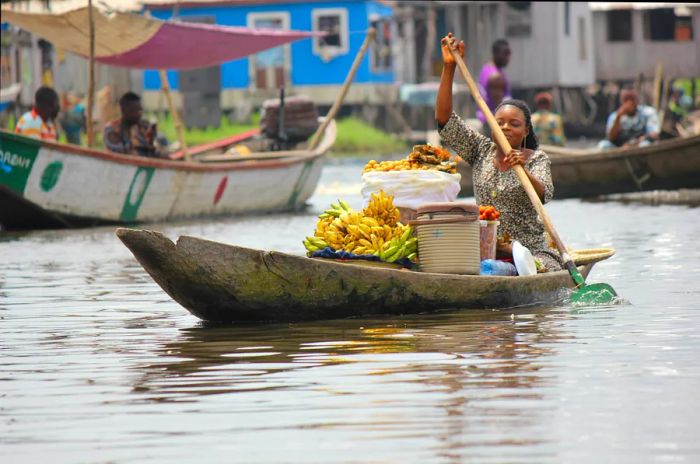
x,y
483,349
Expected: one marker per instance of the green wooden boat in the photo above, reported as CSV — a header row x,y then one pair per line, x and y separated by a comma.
x,y
227,283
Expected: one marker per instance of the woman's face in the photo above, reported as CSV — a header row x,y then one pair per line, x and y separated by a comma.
x,y
512,122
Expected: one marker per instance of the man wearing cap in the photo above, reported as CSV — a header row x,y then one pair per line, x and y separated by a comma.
x,y
548,126
632,124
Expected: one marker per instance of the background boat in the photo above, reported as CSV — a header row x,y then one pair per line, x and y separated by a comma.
x,y
53,185
667,165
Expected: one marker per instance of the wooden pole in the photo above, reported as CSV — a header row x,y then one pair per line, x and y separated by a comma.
x,y
316,138
664,101
165,86
91,79
658,76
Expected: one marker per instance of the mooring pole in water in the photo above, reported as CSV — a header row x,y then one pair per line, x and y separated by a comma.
x,y
91,78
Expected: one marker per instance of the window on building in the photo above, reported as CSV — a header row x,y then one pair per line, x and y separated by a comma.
x,y
567,18
619,25
381,49
334,22
664,24
519,19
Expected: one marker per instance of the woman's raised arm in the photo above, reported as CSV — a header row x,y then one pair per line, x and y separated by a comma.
x,y
443,103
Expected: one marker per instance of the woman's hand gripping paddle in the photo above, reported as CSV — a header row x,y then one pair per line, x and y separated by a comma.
x,y
584,293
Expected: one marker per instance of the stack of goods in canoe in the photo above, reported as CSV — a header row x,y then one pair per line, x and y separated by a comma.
x,y
488,218
422,157
427,175
374,233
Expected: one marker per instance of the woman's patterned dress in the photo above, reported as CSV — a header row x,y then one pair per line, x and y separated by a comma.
x,y
519,219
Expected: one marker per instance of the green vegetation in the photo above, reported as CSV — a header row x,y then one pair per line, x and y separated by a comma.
x,y
193,137
356,137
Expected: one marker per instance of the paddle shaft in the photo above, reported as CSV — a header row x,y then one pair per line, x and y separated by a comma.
x,y
505,147
316,138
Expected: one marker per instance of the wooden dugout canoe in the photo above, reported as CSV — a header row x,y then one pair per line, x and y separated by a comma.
x,y
667,165
56,185
226,283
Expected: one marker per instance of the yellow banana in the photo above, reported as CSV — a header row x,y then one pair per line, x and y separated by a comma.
x,y
354,230
360,250
387,231
365,243
369,221
365,230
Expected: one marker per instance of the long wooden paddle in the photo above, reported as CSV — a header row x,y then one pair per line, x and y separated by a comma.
x,y
584,293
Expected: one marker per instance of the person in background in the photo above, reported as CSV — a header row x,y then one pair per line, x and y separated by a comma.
x,y
495,183
548,126
39,123
632,124
679,105
73,120
493,83
131,134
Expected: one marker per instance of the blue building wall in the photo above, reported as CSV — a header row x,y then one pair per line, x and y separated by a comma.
x,y
306,68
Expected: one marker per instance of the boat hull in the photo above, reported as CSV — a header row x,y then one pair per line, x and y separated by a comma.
x,y
668,165
225,283
53,185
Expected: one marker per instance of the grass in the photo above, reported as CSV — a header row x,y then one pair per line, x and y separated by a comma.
x,y
356,137
194,137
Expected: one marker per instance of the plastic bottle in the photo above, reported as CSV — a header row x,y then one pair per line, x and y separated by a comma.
x,y
496,267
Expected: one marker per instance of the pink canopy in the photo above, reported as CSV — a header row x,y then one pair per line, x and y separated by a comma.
x,y
134,41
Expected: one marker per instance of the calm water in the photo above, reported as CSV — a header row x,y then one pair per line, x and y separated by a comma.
x,y
97,364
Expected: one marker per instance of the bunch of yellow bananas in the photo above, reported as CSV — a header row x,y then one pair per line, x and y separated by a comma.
x,y
342,228
381,207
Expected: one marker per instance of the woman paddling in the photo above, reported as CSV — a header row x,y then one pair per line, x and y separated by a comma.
x,y
495,183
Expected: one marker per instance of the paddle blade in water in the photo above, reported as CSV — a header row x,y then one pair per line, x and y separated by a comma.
x,y
593,294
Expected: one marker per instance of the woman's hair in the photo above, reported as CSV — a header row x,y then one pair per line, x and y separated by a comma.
x,y
531,139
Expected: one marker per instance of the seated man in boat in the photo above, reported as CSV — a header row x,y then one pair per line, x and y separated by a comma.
x,y
131,134
548,126
632,124
39,123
